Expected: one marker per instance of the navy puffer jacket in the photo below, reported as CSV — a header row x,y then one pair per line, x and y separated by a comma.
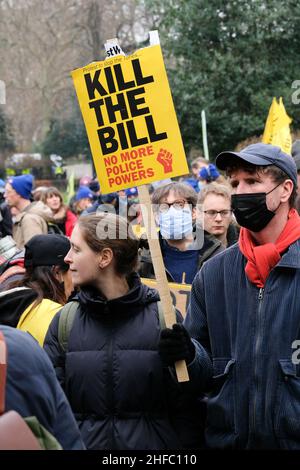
x,y
120,394
32,389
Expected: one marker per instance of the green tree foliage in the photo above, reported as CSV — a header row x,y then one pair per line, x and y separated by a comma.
x,y
66,138
229,58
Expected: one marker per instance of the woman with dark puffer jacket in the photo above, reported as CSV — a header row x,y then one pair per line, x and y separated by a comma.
x,y
120,393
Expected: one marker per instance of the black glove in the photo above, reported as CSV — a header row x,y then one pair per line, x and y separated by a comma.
x,y
175,345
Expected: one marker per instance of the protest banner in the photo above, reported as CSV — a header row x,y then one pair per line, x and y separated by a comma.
x,y
130,119
134,136
180,293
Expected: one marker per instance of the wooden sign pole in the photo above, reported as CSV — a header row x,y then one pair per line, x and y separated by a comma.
x,y
150,226
160,272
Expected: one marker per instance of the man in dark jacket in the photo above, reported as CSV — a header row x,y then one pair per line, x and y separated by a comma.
x,y
244,313
33,390
183,250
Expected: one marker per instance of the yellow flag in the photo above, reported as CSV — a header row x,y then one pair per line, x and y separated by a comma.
x,y
71,187
277,128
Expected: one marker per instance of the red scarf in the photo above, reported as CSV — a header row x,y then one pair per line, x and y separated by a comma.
x,y
262,258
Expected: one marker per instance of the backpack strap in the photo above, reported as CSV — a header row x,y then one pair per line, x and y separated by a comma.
x,y
54,228
65,323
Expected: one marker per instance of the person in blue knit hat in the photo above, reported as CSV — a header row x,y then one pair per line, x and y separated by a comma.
x,y
31,218
83,199
22,185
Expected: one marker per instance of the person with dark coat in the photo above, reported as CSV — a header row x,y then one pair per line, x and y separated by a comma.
x,y
121,394
174,270
184,247
244,312
32,389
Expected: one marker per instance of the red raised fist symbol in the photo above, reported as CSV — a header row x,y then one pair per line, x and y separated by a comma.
x,y
165,158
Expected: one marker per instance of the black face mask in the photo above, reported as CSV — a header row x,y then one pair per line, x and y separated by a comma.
x,y
251,210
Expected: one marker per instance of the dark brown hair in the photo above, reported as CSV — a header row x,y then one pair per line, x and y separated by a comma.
x,y
180,189
42,280
50,192
118,238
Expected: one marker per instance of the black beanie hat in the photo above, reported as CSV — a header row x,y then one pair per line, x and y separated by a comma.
x,y
46,250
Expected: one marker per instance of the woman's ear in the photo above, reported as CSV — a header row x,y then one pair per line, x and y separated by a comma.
x,y
105,257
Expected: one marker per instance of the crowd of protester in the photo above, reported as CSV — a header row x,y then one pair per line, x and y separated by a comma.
x,y
79,295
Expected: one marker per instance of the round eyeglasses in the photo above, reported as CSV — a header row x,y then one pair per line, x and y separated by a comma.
x,y
225,213
178,205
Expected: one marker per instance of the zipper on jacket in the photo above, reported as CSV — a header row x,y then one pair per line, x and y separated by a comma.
x,y
256,351
110,388
261,293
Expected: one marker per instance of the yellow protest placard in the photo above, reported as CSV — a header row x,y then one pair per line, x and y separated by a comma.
x,y
180,293
277,128
130,120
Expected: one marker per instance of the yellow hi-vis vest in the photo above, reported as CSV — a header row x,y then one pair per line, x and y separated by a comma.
x,y
36,321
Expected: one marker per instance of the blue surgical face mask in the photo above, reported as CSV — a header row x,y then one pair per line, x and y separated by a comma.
x,y
175,224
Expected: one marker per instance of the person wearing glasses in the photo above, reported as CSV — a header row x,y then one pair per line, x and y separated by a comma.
x,y
214,202
184,247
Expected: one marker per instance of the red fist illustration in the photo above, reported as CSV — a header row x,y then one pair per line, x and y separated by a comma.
x,y
165,158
